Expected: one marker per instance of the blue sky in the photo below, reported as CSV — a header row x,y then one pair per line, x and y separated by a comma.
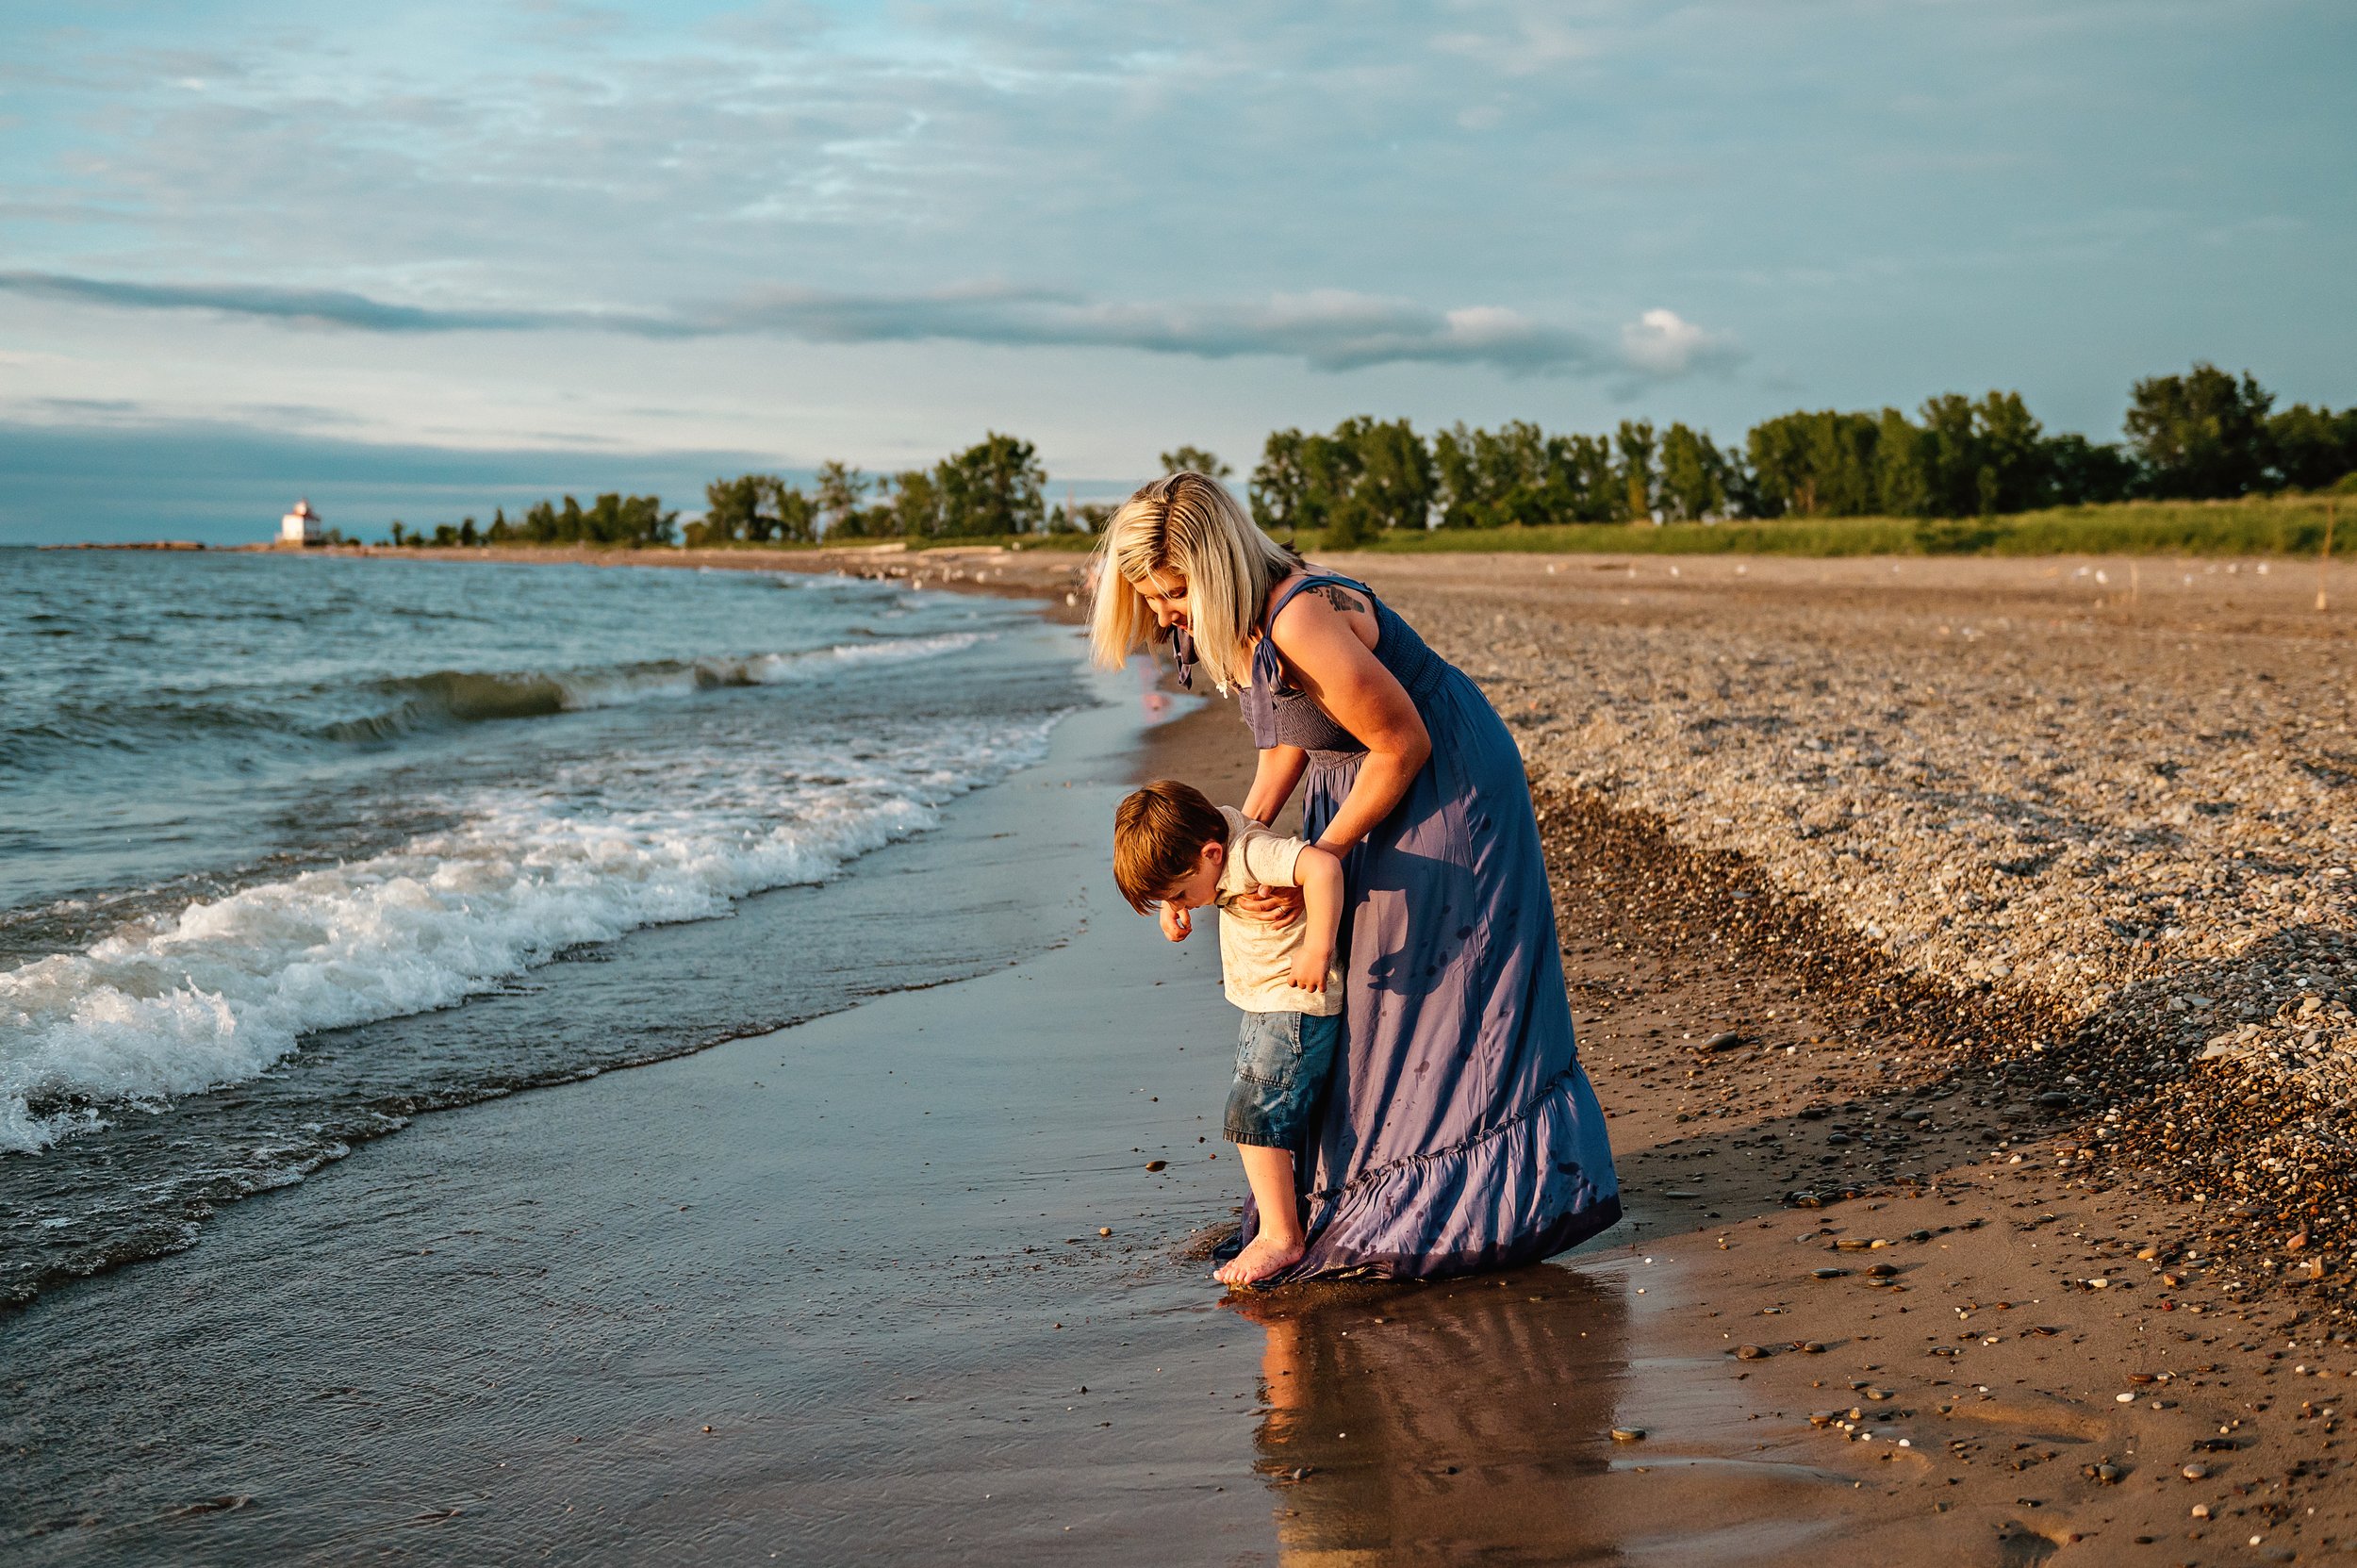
x,y
560,239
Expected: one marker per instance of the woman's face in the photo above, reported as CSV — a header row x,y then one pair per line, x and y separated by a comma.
x,y
1165,594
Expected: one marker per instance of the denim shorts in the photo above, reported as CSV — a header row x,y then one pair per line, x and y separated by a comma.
x,y
1282,1059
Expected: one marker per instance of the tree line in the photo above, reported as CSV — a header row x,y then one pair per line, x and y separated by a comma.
x,y
994,486
630,520
2204,434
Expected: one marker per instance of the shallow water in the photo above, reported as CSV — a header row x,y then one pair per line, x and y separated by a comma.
x,y
295,849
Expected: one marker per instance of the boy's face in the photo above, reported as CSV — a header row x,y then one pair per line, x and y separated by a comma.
x,y
1201,885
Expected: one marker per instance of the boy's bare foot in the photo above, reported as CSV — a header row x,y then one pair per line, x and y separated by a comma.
x,y
1267,1255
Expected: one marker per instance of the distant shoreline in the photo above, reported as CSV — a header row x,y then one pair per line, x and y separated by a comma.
x,y
147,544
2290,526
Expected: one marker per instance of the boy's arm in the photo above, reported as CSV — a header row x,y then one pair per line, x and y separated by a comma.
x,y
1319,875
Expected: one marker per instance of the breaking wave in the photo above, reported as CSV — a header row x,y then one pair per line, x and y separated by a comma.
x,y
219,990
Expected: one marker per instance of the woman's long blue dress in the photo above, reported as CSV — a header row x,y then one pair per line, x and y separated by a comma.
x,y
1459,1131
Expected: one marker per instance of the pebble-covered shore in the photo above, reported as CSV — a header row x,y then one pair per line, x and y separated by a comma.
x,y
2122,795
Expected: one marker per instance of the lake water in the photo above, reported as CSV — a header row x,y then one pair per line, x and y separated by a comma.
x,y
294,848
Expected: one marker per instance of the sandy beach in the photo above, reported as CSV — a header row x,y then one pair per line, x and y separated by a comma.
x,y
1911,1270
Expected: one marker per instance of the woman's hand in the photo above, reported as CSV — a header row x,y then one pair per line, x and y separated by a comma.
x,y
1277,906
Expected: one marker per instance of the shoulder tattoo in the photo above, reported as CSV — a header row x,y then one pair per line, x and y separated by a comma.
x,y
1339,598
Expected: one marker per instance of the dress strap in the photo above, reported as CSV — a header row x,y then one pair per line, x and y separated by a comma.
x,y
1268,670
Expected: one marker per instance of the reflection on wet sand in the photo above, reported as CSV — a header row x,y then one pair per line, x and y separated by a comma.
x,y
1473,1421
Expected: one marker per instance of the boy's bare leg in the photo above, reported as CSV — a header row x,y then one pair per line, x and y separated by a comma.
x,y
1280,1242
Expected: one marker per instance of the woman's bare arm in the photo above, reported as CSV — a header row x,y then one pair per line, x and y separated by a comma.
x,y
1273,780
1331,662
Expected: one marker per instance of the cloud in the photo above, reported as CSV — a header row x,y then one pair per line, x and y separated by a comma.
x,y
1334,330
310,306
1663,344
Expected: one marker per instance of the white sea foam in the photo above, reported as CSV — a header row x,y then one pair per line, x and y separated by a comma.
x,y
223,989
758,670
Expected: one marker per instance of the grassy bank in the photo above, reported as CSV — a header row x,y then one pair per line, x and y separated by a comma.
x,y
2283,525
2291,525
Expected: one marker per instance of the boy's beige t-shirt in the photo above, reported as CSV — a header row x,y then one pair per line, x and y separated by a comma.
x,y
1257,958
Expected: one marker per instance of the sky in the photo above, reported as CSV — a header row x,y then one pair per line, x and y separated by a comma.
x,y
415,260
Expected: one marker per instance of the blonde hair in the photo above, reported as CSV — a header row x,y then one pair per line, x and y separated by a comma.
x,y
1187,523
1159,835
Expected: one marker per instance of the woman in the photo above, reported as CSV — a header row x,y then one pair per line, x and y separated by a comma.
x,y
1460,1131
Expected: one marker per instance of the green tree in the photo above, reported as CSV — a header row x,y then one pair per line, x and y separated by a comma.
x,y
1816,464
1903,461
2080,472
915,506
501,530
1480,475
401,535
1279,485
1637,444
837,494
1329,473
466,535
2201,436
2011,475
1393,478
733,513
1195,459
2312,447
1694,477
994,486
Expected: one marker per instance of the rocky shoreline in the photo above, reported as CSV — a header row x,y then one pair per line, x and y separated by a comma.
x,y
2103,841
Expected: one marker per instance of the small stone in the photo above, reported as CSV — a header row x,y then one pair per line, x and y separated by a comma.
x,y
1823,1418
1628,1434
1750,1353
1828,1273
1728,1040
1810,1347
2125,1398
1104,1230
2195,1471
2200,1511
2103,1474
1879,1394
2055,1099
1679,1192
1157,1165
1881,1271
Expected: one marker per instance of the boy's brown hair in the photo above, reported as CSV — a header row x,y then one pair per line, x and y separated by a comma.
x,y
1159,835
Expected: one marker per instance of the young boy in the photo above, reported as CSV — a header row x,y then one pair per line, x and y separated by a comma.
x,y
1175,851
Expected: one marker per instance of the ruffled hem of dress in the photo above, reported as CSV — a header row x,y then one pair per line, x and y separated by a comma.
x,y
1564,1208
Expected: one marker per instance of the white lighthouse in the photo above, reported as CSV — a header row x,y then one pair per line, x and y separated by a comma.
x,y
299,526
